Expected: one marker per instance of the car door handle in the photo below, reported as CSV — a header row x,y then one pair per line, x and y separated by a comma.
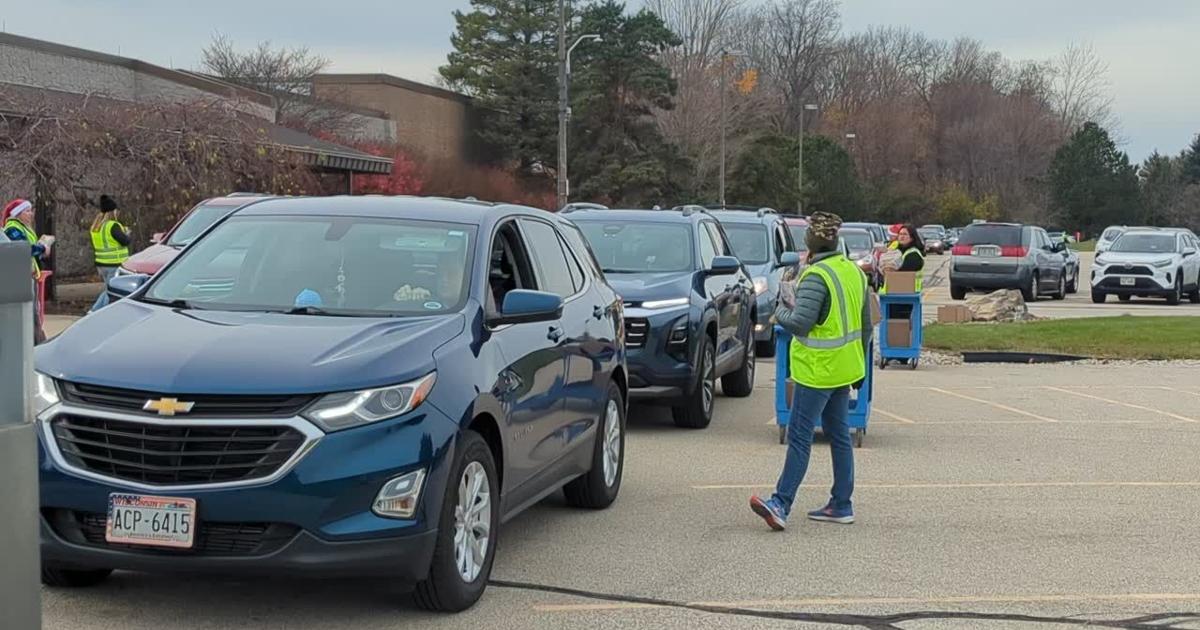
x,y
555,333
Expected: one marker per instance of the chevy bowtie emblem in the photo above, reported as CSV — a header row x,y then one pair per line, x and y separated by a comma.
x,y
168,406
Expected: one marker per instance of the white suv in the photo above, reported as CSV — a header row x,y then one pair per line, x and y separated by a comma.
x,y
1149,262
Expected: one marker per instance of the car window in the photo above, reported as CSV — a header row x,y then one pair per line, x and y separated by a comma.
x,y
552,269
1145,243
798,232
719,240
640,246
577,244
708,248
1111,234
782,243
991,234
858,241
343,265
196,222
749,242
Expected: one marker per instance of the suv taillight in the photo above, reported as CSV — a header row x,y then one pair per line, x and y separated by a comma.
x,y
961,250
1013,251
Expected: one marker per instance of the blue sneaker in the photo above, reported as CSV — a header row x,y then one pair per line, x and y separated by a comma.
x,y
830,515
770,512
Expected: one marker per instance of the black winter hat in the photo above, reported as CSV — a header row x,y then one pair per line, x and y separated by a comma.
x,y
107,204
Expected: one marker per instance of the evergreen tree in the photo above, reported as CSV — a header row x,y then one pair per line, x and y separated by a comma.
x,y
764,174
1092,183
1190,167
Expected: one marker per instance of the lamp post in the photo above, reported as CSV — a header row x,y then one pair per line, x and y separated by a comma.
x,y
564,108
725,54
800,160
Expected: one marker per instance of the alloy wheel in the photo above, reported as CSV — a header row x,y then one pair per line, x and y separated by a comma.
x,y
612,443
472,522
709,386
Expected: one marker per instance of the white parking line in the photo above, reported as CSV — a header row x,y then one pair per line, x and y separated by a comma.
x,y
891,415
992,404
972,486
1121,403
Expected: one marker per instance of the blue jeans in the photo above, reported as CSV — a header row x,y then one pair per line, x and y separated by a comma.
x,y
106,274
832,407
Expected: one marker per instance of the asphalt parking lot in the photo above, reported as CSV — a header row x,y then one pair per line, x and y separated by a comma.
x,y
1004,494
1078,304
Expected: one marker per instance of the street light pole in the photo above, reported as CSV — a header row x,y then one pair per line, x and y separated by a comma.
x,y
564,106
800,160
724,55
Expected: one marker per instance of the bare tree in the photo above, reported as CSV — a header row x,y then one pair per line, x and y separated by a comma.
x,y
285,73
1080,88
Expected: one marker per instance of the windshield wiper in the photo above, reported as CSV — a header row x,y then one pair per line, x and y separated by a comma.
x,y
172,303
307,310
608,270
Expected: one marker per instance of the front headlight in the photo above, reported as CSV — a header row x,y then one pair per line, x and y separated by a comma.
x,y
1101,261
760,285
1162,263
45,393
660,304
344,410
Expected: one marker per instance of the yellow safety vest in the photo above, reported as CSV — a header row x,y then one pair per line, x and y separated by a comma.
x,y
920,273
30,236
109,252
832,354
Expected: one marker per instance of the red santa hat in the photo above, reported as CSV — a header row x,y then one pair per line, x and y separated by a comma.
x,y
16,207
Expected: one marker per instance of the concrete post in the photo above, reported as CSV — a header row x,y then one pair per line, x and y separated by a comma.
x,y
20,584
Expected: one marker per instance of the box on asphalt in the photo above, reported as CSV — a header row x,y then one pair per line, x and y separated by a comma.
x,y
899,333
953,314
900,281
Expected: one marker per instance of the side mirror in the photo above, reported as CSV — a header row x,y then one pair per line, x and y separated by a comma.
x,y
1191,251
121,286
789,259
158,238
724,265
522,306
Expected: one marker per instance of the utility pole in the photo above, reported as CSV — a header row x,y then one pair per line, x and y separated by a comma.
x,y
800,161
724,54
562,104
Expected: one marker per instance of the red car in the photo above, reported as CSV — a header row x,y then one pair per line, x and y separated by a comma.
x,y
168,245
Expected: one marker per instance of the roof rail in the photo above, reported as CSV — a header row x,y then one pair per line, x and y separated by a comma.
x,y
572,207
689,209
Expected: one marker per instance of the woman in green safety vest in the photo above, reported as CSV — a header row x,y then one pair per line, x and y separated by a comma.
x,y
830,321
912,258
110,240
18,226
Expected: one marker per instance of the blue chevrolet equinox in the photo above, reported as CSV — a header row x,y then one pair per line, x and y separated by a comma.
x,y
334,386
689,304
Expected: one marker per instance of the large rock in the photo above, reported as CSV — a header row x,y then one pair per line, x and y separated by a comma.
x,y
1005,305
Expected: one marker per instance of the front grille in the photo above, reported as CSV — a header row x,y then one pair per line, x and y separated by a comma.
x,y
173,455
1138,270
208,405
211,539
1139,283
635,332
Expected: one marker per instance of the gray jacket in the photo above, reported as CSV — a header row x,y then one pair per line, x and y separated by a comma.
x,y
812,306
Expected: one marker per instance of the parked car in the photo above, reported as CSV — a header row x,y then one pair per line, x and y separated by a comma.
x,y
761,241
1071,262
383,383
935,240
689,303
1108,237
861,245
878,233
952,235
1149,263
165,246
798,227
1007,256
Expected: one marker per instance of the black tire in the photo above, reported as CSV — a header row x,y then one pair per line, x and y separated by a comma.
x,y
740,382
74,579
1061,293
957,292
1194,296
1098,297
445,590
1030,290
766,349
1176,295
1125,298
594,491
1073,284
783,434
696,413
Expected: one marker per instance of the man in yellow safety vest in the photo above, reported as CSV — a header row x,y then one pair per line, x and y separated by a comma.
x,y
830,322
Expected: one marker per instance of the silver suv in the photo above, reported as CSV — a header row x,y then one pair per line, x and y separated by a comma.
x,y
993,256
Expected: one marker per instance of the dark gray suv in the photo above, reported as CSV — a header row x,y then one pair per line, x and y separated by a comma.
x,y
991,256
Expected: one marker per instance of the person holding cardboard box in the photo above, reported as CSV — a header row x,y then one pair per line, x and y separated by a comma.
x,y
912,259
829,317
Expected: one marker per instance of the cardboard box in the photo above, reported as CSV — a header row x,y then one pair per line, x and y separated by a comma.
x,y
899,333
900,281
876,314
953,314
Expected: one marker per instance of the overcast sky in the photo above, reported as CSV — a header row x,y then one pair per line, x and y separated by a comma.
x,y
1150,46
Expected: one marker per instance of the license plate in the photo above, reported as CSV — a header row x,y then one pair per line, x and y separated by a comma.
x,y
136,519
986,252
1128,282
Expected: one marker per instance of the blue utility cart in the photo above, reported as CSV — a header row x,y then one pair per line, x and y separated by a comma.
x,y
860,401
910,354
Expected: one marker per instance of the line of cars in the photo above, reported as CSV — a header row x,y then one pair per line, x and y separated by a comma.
x,y
371,386
1146,262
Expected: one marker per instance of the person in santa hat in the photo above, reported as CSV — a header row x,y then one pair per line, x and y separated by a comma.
x,y
18,226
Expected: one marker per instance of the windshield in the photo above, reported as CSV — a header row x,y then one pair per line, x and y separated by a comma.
x,y
798,232
197,221
1003,235
335,264
749,242
1145,244
858,241
640,246
1111,234
930,235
